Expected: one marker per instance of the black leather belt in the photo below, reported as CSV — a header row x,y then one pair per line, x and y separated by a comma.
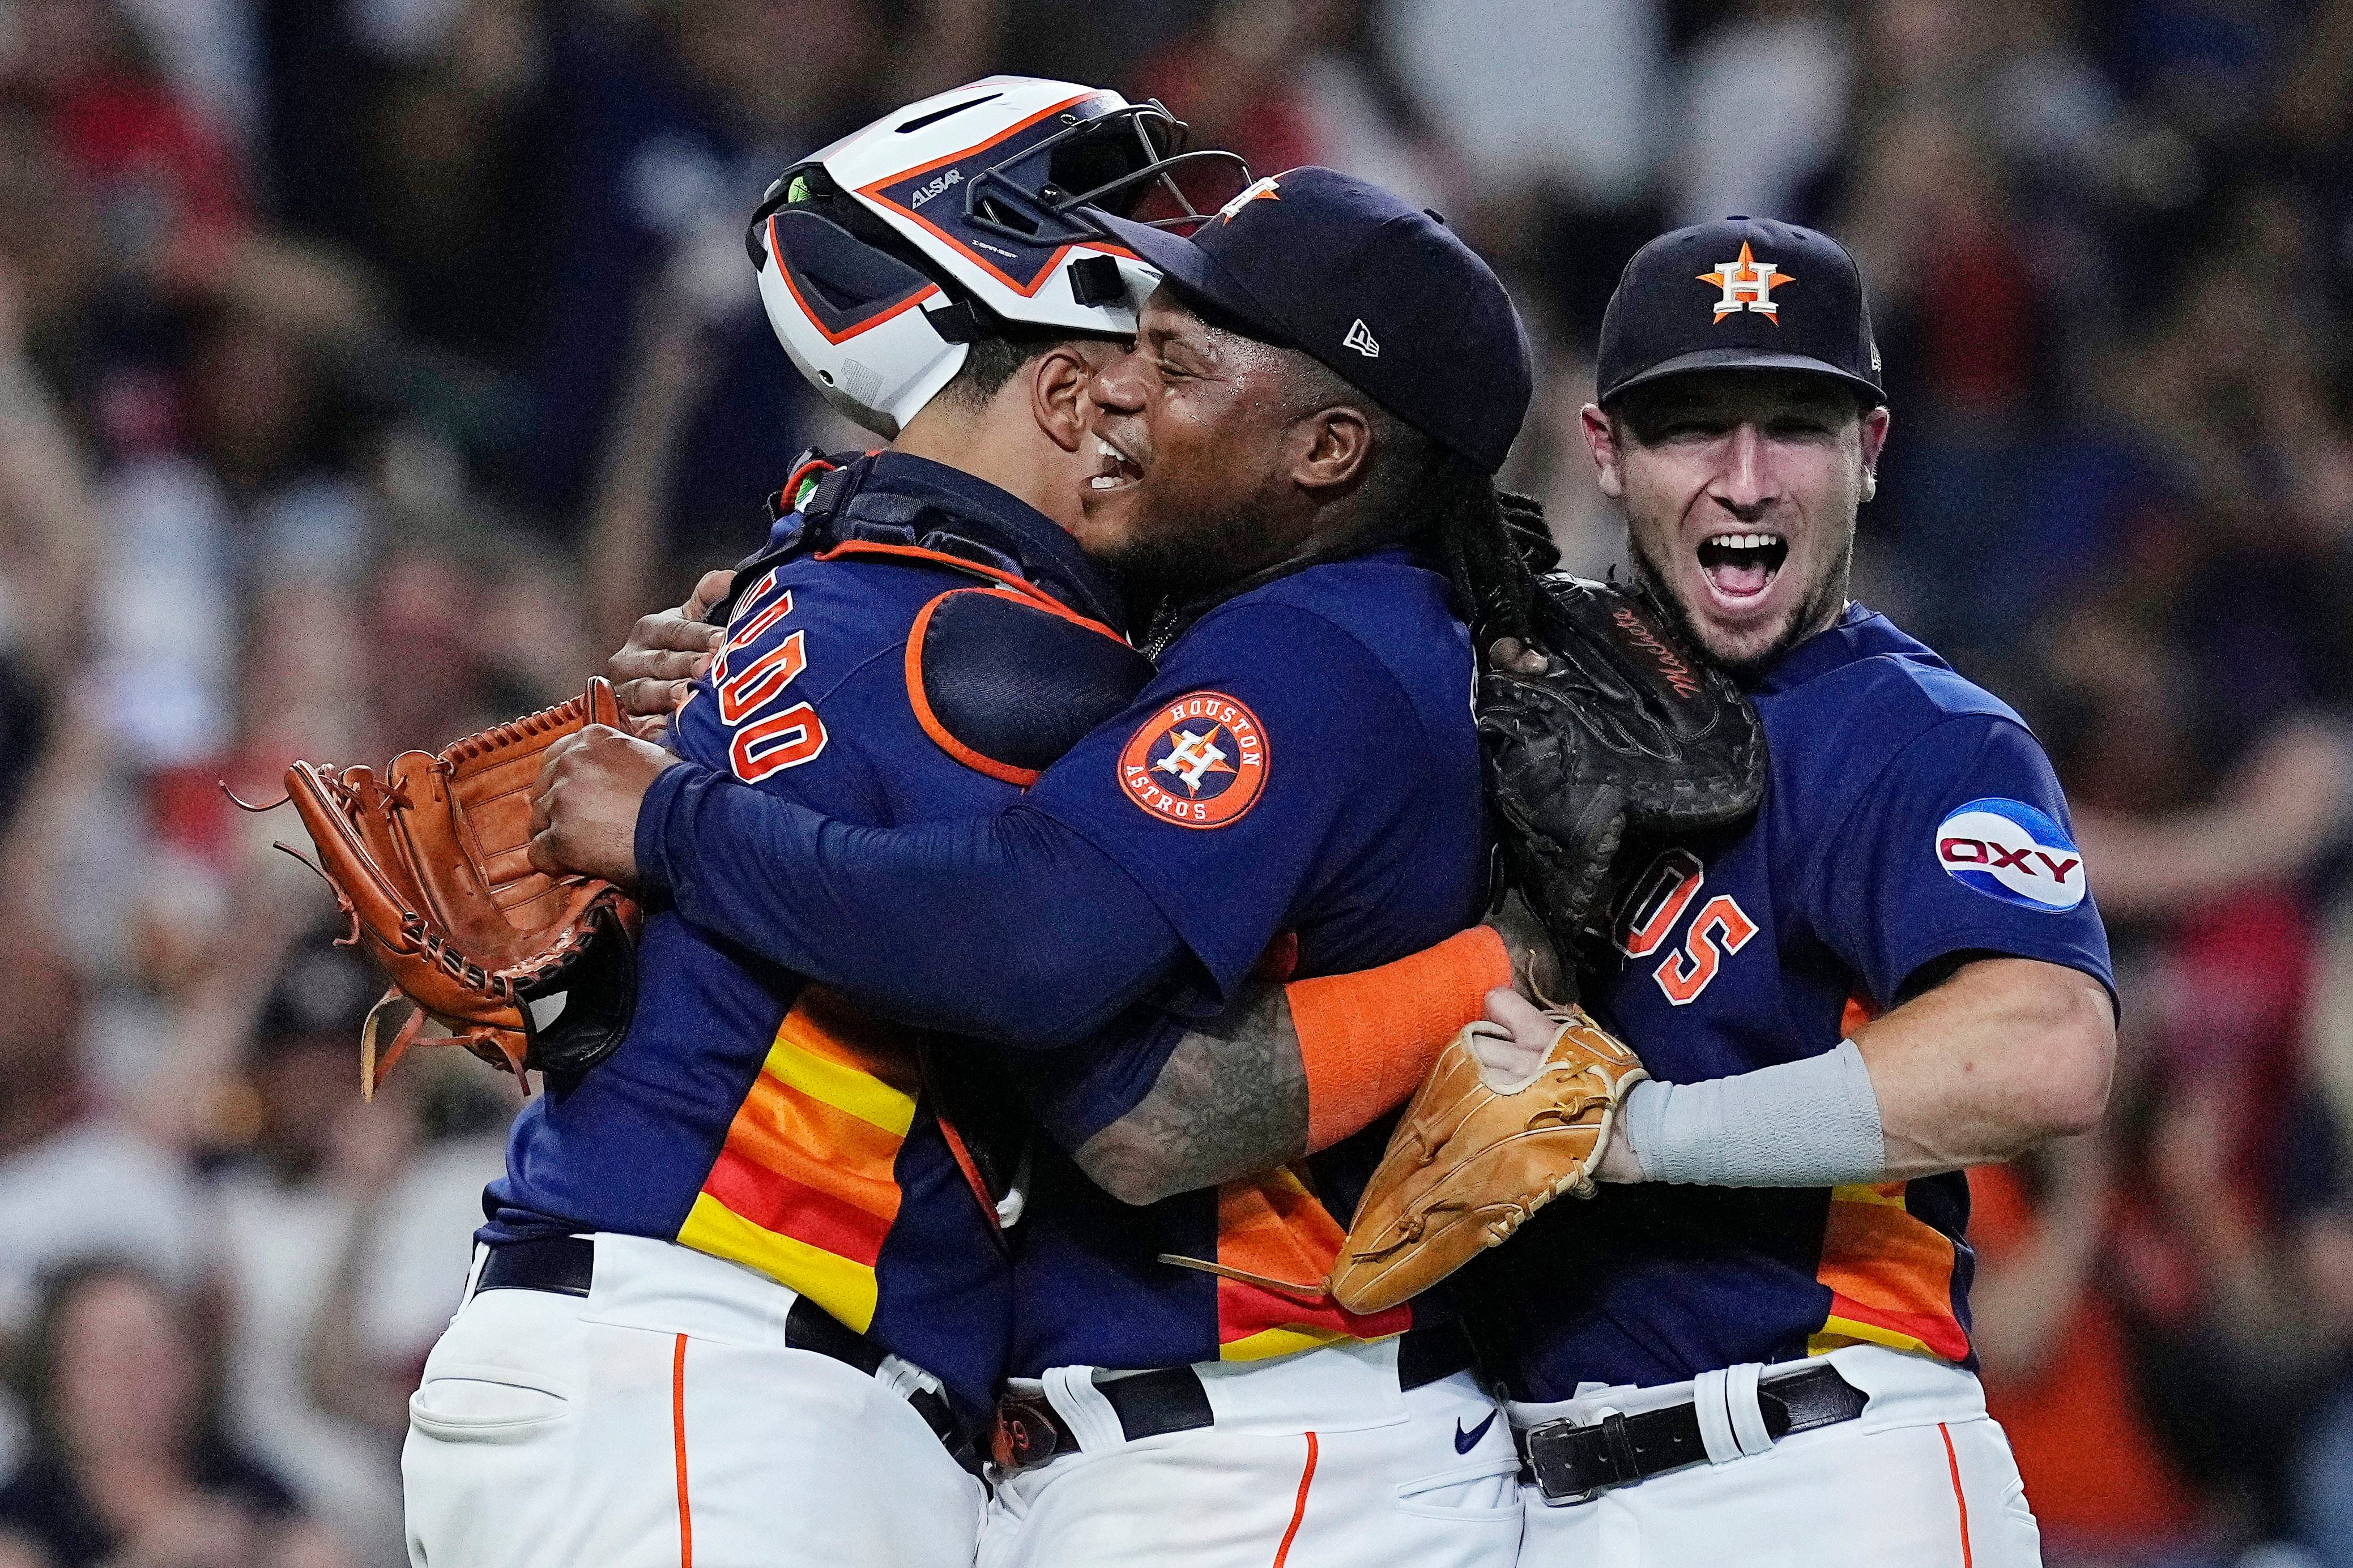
x,y
1029,1431
564,1264
559,1264
1568,1461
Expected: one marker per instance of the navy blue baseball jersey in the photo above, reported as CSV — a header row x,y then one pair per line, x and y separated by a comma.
x,y
747,1113
1303,770
1909,818
1300,777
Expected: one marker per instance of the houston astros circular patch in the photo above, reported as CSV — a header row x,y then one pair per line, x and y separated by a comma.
x,y
1198,762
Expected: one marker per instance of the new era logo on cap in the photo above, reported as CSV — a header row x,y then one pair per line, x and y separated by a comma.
x,y
1266,190
1360,338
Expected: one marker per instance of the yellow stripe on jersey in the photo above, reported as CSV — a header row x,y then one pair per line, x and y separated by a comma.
x,y
844,1288
793,1059
1837,1334
1888,1195
1267,1343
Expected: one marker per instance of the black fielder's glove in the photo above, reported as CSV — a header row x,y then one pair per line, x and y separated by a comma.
x,y
1623,737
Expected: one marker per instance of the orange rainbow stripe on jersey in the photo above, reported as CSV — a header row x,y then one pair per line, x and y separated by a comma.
x,y
1271,1226
1890,1273
804,1189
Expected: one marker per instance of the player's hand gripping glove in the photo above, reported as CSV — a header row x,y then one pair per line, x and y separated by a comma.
x,y
430,861
1473,1158
1619,735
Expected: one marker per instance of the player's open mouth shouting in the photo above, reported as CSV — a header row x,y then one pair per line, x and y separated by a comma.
x,y
1743,466
1739,567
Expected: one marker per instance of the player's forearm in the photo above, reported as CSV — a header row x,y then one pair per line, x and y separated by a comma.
x,y
1288,1069
944,924
1230,1099
2006,1055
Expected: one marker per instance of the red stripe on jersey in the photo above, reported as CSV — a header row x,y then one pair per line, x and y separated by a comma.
x,y
1245,1310
1938,1331
774,1201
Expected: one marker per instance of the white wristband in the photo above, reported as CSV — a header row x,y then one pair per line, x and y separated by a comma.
x,y
1811,1123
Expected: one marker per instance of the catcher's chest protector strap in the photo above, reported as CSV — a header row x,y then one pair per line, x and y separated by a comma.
x,y
1004,676
1007,682
839,514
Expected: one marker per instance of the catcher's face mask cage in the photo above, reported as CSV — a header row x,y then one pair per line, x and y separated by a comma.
x,y
883,255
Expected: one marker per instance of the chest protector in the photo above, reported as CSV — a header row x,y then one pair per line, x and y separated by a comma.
x,y
1004,674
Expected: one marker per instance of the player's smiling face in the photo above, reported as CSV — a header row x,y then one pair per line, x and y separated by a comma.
x,y
1740,490
1190,435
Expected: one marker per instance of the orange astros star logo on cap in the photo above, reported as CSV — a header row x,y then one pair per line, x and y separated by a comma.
x,y
1748,285
1256,190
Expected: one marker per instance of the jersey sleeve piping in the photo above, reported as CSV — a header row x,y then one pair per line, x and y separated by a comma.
x,y
2000,942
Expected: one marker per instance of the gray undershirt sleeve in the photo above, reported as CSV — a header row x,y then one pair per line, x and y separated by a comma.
x,y
1811,1123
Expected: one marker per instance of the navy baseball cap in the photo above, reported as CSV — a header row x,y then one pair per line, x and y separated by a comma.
x,y
1747,293
1380,291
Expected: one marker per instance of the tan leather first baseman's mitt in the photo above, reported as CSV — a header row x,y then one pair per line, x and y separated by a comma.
x,y
1468,1161
430,861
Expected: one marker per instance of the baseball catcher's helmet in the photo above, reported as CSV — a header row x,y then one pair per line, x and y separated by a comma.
x,y
881,257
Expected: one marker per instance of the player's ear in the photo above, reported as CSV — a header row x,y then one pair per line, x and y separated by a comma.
x,y
1330,448
1058,378
1875,441
1602,440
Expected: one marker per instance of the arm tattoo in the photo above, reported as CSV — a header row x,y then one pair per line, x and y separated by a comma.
x,y
1230,1100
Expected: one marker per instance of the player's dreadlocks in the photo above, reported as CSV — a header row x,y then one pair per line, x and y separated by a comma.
x,y
1494,542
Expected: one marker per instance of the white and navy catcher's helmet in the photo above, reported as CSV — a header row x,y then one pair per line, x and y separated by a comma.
x,y
882,256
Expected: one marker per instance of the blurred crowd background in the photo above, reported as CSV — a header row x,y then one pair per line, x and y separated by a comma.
x,y
367,365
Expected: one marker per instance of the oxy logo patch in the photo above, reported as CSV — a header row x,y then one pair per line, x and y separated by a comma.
x,y
2009,850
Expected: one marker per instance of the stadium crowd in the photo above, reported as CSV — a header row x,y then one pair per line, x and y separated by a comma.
x,y
367,365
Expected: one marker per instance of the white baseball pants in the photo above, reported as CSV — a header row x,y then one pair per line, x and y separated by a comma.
x,y
1923,1478
1315,1461
661,1422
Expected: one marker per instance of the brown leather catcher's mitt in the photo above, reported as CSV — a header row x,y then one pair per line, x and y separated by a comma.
x,y
1470,1163
430,861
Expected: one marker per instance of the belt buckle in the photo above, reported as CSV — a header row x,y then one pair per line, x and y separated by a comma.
x,y
1025,1434
1541,1448
1550,1450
